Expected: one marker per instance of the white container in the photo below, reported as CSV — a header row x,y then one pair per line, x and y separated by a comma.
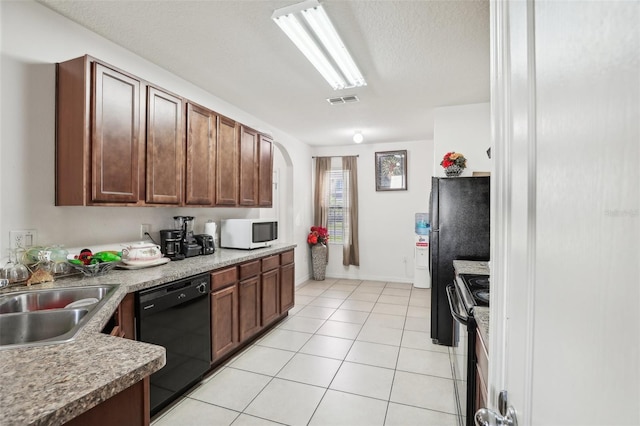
x,y
141,252
210,228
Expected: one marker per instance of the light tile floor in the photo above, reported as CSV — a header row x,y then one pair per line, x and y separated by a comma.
x,y
350,353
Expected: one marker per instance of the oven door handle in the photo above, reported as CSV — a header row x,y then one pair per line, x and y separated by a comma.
x,y
454,305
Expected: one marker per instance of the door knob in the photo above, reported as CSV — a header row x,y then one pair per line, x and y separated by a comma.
x,y
486,417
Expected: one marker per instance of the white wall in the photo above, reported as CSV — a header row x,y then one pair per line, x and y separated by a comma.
x,y
386,217
565,333
465,129
33,39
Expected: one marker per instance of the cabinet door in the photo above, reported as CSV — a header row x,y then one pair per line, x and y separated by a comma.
x,y
270,301
165,147
481,372
248,194
200,156
126,316
481,392
249,307
116,171
265,170
224,321
227,165
287,287
129,407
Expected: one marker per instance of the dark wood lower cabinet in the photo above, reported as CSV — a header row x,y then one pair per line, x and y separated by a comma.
x,y
245,300
287,287
249,307
482,373
248,298
270,291
122,322
127,408
224,321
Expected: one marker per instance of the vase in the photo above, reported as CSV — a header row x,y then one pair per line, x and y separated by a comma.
x,y
319,261
453,171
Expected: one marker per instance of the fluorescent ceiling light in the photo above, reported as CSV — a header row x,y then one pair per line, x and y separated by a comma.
x,y
310,29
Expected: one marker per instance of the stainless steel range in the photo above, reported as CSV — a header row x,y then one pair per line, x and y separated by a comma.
x,y
464,294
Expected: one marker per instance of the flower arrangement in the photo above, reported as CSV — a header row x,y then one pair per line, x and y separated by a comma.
x,y
454,159
318,235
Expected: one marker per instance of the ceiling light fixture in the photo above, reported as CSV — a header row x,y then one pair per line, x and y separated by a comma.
x,y
357,137
310,29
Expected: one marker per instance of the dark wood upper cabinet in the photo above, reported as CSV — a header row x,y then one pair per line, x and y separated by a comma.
x,y
227,165
99,134
165,147
248,193
116,136
200,156
265,171
121,141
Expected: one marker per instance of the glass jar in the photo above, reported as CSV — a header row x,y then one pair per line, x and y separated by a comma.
x,y
14,271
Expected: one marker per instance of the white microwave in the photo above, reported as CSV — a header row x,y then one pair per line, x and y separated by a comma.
x,y
248,233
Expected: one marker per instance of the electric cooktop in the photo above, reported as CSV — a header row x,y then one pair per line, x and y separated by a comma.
x,y
476,288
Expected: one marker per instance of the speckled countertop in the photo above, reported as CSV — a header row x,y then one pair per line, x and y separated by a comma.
x,y
52,384
480,313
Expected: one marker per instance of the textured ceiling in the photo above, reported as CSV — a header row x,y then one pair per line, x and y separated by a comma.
x,y
415,56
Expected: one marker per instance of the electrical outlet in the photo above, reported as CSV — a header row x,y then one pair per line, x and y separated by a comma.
x,y
145,228
23,239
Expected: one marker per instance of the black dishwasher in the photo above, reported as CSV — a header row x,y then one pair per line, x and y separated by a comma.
x,y
176,316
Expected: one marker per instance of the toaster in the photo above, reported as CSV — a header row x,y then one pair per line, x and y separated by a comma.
x,y
206,242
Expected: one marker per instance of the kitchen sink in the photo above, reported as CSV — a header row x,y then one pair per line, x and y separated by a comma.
x,y
48,316
38,300
57,326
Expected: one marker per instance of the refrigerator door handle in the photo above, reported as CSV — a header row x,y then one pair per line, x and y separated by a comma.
x,y
454,305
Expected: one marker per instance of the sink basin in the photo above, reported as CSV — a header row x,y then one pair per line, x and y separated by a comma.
x,y
43,317
58,298
21,328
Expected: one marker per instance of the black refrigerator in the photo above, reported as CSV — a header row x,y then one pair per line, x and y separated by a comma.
x,y
459,214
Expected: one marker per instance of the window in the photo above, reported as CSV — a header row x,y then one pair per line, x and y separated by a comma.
x,y
337,225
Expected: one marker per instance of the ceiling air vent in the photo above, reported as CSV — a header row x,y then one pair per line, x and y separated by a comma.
x,y
343,100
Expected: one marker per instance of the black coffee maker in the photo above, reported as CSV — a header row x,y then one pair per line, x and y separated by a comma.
x,y
190,246
171,243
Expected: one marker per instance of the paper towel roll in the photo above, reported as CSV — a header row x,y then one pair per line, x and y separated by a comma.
x,y
210,229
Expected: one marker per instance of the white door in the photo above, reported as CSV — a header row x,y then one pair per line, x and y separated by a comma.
x,y
565,317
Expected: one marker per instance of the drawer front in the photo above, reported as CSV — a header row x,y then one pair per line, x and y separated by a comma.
x,y
249,269
223,278
271,262
286,257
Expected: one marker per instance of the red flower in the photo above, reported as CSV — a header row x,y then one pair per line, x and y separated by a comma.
x,y
318,235
453,159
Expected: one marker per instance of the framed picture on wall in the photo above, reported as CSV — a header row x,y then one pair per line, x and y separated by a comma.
x,y
391,171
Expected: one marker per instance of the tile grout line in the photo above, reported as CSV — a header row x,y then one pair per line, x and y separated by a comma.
x,y
315,410
343,360
287,363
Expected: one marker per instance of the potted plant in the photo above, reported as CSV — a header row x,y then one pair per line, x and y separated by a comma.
x,y
454,163
317,240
